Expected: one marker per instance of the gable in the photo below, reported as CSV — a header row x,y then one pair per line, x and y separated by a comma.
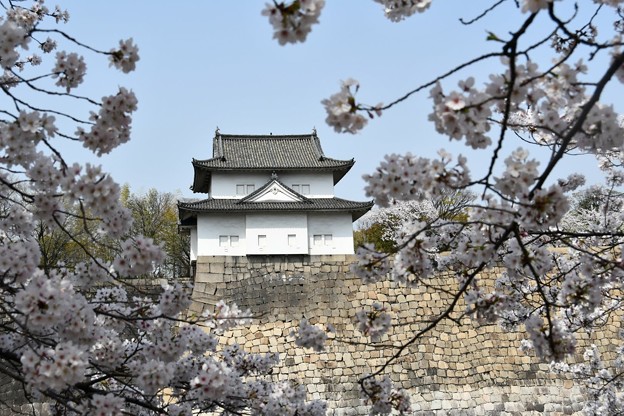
x,y
274,191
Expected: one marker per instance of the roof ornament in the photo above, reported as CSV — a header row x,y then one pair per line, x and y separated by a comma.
x,y
314,131
274,175
220,142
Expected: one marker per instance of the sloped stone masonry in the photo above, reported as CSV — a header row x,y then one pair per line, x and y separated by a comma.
x,y
472,370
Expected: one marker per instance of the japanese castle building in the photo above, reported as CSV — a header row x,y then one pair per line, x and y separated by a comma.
x,y
269,195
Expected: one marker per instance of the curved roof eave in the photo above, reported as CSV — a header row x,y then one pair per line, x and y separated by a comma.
x,y
232,206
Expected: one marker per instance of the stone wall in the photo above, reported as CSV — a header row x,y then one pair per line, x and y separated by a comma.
x,y
452,370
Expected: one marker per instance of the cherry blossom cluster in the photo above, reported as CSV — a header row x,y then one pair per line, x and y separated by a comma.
x,y
533,6
19,139
385,398
226,316
550,341
70,70
409,177
247,363
83,337
556,257
292,22
11,36
111,126
310,336
29,17
375,322
101,194
138,257
520,173
525,226
54,368
371,266
417,259
601,384
105,405
403,211
19,259
44,302
462,115
342,109
544,209
397,10
126,57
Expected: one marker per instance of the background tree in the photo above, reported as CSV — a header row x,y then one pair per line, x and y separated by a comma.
x,y
155,215
57,247
382,227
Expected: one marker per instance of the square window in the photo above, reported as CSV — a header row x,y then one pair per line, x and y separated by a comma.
x,y
251,188
223,241
305,189
240,190
328,239
318,239
233,241
261,240
295,188
292,239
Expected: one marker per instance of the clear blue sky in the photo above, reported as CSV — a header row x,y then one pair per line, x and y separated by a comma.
x,y
214,63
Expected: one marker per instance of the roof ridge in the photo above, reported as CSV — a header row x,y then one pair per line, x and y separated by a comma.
x,y
265,136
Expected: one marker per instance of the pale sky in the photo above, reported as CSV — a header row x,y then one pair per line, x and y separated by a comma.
x,y
214,63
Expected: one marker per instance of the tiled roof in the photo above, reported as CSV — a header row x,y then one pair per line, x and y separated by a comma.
x,y
232,152
269,152
191,209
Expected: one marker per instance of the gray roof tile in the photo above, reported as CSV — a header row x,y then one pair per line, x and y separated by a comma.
x,y
269,152
232,152
191,209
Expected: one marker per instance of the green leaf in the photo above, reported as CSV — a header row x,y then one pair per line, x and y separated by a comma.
x,y
492,36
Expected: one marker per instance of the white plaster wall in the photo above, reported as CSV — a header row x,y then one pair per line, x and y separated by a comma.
x,y
210,227
193,243
339,225
321,184
276,227
224,184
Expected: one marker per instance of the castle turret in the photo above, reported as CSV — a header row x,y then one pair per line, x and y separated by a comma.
x,y
269,195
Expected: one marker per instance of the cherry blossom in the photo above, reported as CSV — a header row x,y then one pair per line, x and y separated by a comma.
x,y
126,57
533,6
12,36
384,397
397,10
111,126
107,405
527,223
374,323
85,337
292,22
342,109
70,70
310,336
